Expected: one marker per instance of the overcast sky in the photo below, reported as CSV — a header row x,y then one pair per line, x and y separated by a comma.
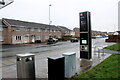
x,y
104,13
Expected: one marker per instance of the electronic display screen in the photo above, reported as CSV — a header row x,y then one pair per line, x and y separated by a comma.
x,y
83,25
84,41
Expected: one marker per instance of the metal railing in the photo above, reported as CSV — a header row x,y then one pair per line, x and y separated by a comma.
x,y
97,49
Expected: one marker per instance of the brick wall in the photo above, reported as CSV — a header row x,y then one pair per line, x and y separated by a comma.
x,y
77,32
113,38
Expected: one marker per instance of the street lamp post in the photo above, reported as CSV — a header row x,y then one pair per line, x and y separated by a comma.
x,y
49,19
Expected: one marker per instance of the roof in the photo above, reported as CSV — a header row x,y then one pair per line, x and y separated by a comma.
x,y
76,28
65,28
118,32
19,23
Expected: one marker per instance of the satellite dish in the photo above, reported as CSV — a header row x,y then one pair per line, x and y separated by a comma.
x,y
4,3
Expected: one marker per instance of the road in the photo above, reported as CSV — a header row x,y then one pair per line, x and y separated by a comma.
x,y
41,51
38,48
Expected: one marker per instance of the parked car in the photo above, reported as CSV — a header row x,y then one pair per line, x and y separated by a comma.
x,y
37,41
74,40
52,40
55,40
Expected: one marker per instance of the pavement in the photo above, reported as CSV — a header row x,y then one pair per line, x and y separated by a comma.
x,y
9,69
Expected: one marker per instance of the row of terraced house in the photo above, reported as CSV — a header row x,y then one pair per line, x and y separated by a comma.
x,y
17,32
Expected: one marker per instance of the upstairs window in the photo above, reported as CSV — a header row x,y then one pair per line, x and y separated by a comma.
x,y
50,30
33,29
26,29
46,30
39,30
17,29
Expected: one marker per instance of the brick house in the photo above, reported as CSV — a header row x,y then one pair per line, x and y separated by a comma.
x,y
64,31
17,32
77,32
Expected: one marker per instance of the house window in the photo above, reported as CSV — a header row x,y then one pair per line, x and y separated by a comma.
x,y
1,28
32,29
35,29
1,38
47,30
39,30
38,38
26,29
17,29
50,30
18,38
46,37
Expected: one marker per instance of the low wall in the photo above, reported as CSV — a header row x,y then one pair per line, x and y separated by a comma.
x,y
113,38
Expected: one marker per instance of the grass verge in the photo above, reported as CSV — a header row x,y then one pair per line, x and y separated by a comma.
x,y
109,68
115,47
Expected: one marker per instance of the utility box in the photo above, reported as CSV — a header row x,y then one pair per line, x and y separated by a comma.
x,y
70,64
56,68
25,66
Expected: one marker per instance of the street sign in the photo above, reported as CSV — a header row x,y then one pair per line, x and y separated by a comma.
x,y
85,35
4,3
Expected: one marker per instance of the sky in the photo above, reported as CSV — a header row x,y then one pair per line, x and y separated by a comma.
x,y
104,13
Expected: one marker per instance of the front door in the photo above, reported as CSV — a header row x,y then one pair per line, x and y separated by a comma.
x,y
33,39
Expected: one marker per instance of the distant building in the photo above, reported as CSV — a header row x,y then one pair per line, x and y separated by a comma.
x,y
117,33
95,33
110,33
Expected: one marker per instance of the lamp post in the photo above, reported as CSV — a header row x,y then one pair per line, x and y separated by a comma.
x,y
49,19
